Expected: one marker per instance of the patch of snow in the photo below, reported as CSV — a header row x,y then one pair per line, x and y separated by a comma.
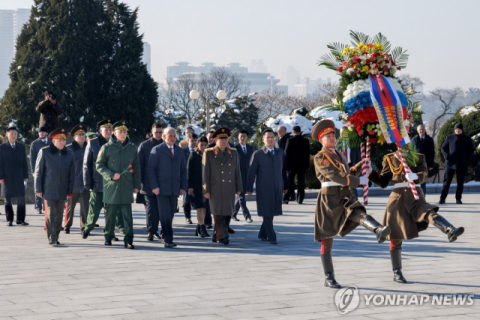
x,y
319,113
467,110
81,118
289,121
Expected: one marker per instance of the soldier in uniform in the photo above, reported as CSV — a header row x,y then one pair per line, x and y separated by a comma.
x,y
119,166
80,193
338,212
93,180
90,136
221,181
405,215
54,179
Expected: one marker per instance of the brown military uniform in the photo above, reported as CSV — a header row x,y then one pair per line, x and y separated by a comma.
x,y
403,214
337,208
222,179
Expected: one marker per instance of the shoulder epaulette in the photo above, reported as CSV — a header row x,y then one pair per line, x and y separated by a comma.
x,y
68,145
45,147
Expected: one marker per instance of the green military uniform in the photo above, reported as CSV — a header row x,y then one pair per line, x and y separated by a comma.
x,y
122,158
222,180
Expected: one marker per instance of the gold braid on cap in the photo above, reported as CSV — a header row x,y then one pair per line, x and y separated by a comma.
x,y
59,136
106,125
121,128
79,132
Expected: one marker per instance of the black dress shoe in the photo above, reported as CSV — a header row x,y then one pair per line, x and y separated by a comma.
x,y
9,223
188,221
97,225
273,242
150,237
52,242
85,234
249,220
225,241
108,242
57,243
115,239
398,276
23,223
67,230
39,212
235,218
230,230
129,246
284,202
170,245
459,202
442,201
157,236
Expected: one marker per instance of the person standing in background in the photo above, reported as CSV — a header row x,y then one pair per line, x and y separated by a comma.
x,y
35,147
424,144
49,111
297,151
244,152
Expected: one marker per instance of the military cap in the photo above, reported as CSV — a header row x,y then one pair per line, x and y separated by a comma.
x,y
321,128
120,125
221,133
91,135
106,123
43,129
78,129
58,133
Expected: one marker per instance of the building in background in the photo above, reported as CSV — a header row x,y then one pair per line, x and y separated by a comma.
x,y
11,24
258,81
306,87
257,66
289,78
147,56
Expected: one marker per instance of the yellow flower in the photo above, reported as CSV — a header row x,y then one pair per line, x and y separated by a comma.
x,y
381,139
365,69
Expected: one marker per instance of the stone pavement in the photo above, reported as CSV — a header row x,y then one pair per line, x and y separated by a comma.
x,y
248,279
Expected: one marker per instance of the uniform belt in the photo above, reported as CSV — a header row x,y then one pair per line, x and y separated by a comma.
x,y
403,185
331,184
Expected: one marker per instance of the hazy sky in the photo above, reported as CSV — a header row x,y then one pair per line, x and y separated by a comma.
x,y
440,35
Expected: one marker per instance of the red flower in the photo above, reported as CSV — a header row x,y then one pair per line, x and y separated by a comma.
x,y
130,165
371,132
131,171
345,63
367,60
385,68
356,71
340,69
356,59
399,68
372,140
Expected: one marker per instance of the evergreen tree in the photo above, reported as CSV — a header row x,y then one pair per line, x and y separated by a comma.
x,y
89,53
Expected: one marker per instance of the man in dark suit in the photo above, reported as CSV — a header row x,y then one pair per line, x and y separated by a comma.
x,y
153,218
457,149
35,147
167,174
283,136
424,144
13,176
189,148
353,156
297,152
245,152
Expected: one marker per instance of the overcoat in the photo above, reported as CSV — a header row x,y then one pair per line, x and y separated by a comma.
x,y
78,154
271,179
221,178
13,169
336,203
403,214
115,157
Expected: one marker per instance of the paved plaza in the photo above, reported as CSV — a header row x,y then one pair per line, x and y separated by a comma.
x,y
249,279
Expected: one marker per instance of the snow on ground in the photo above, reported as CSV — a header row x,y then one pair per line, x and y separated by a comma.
x,y
289,121
318,113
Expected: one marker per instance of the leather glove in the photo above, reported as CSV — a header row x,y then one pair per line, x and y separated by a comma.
x,y
364,180
411,176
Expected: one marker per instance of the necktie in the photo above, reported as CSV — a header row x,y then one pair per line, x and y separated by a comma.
x,y
171,151
13,146
244,150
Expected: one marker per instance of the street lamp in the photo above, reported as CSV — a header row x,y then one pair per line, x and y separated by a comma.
x,y
195,95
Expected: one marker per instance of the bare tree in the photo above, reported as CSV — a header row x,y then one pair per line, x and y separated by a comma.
x,y
176,95
327,92
222,79
272,103
447,99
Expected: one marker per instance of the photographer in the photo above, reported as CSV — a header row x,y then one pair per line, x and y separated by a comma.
x,y
49,111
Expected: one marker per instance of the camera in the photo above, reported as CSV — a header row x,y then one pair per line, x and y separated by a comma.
x,y
52,96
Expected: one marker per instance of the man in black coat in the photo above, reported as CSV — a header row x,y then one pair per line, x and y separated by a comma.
x,y
245,152
188,149
80,193
283,136
424,144
297,151
353,156
153,217
49,111
457,149
13,175
35,147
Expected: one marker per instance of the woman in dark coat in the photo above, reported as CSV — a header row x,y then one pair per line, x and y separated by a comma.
x,y
195,191
268,167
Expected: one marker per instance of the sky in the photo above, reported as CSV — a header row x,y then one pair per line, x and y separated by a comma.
x,y
440,36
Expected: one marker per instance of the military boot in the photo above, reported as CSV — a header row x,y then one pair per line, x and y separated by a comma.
x,y
380,231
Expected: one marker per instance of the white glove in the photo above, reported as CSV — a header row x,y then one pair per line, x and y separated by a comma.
x,y
411,176
368,163
364,180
